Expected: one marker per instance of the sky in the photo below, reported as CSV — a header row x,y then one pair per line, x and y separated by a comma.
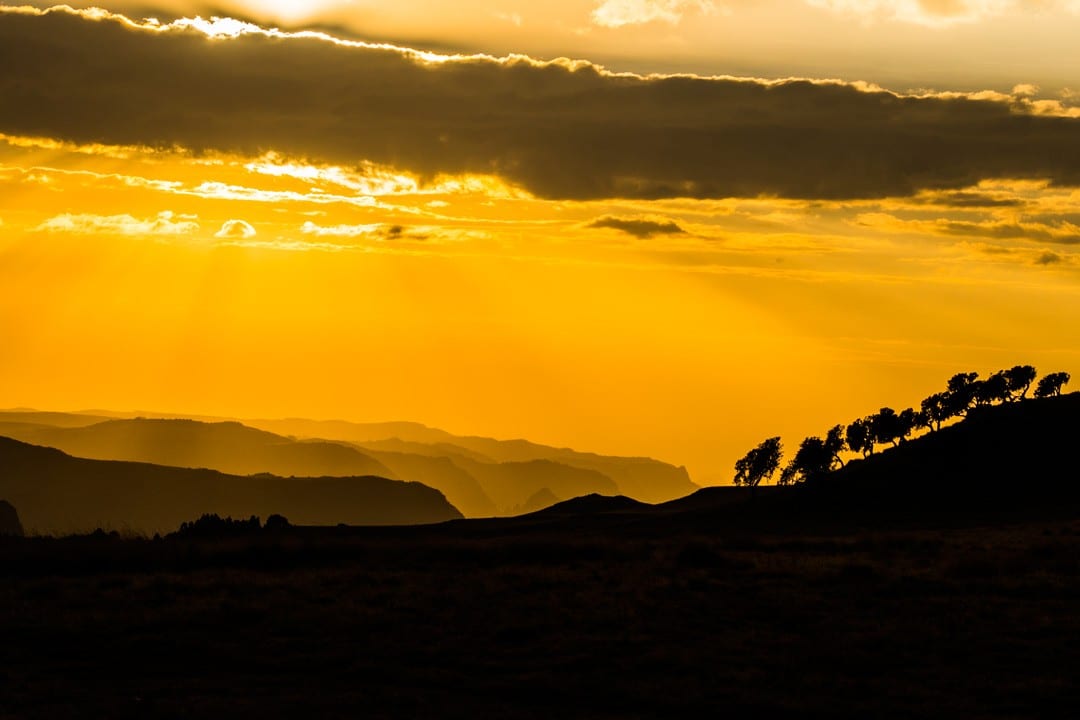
x,y
641,227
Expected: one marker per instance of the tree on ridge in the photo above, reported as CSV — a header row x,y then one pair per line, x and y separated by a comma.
x,y
760,463
858,438
818,456
885,426
813,459
993,389
1051,385
960,393
1019,379
936,410
906,423
834,444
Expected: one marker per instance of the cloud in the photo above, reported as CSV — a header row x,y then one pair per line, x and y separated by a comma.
x,y
966,200
310,228
1059,231
163,224
638,227
619,13
235,229
379,231
561,129
1049,258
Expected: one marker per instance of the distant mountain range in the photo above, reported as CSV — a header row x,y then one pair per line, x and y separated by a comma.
x,y
642,478
480,476
1010,458
227,446
55,493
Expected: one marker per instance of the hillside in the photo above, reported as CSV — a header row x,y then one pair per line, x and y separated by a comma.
x,y
230,447
57,493
443,474
51,419
470,471
1017,453
644,479
512,484
225,446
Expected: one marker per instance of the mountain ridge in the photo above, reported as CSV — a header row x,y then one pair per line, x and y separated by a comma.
x,y
56,493
570,472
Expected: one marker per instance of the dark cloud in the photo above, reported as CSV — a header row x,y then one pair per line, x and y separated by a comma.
x,y
1048,258
970,200
638,227
1063,234
559,130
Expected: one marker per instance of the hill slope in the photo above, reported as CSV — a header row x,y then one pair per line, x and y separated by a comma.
x,y
511,484
441,473
57,493
227,446
470,471
1017,453
642,478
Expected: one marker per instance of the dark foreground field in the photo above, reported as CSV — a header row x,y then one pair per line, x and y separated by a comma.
x,y
567,617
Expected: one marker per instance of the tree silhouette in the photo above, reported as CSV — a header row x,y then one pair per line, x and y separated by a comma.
x,y
813,459
213,525
1019,379
936,410
817,456
923,421
1051,385
835,443
960,394
760,463
906,422
885,426
993,389
858,438
277,523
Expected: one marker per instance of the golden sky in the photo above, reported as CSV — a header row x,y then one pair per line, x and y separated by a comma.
x,y
217,218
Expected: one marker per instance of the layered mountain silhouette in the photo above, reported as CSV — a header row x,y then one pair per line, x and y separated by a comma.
x,y
642,478
541,499
1001,457
227,446
9,520
443,473
57,493
480,476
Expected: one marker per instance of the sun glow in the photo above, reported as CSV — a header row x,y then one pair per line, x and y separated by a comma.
x,y
291,10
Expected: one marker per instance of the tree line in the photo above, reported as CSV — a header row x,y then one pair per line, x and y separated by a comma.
x,y
819,455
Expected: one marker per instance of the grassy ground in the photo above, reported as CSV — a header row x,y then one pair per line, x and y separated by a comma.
x,y
560,620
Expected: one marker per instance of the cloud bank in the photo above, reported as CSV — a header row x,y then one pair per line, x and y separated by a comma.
x,y
562,129
163,224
